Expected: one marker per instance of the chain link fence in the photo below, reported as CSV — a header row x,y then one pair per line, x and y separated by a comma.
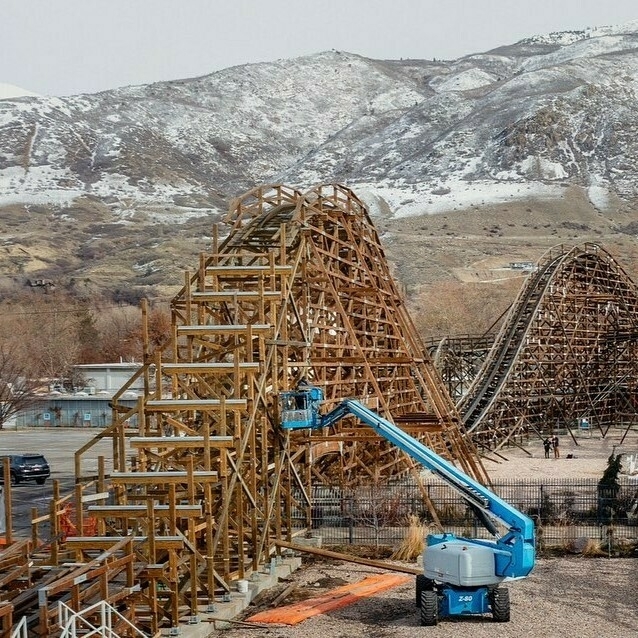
x,y
562,509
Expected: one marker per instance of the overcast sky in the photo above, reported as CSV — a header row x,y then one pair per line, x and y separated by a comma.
x,y
63,47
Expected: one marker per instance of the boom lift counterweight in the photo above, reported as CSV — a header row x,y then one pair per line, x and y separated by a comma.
x,y
461,576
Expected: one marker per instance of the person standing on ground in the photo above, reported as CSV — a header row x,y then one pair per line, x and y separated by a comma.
x,y
547,444
555,446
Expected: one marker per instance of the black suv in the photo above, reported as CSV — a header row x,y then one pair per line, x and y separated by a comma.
x,y
26,467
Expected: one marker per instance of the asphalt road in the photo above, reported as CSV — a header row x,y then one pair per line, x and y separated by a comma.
x,y
58,446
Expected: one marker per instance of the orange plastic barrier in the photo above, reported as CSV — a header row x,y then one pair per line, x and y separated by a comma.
x,y
335,599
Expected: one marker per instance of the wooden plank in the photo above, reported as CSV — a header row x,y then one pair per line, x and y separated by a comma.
x,y
161,405
180,441
107,542
247,271
239,295
219,366
347,557
146,478
124,511
222,328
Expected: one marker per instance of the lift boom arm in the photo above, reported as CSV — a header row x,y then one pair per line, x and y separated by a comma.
x,y
514,552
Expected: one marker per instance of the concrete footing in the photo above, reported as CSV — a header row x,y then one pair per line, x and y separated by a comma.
x,y
218,615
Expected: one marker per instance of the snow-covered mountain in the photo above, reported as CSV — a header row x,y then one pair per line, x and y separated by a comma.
x,y
520,121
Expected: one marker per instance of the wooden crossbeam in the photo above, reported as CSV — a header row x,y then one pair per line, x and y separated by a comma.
x,y
248,271
106,542
123,511
223,329
213,368
235,295
145,442
163,405
153,478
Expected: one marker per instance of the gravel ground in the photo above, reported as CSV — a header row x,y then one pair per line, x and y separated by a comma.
x,y
563,597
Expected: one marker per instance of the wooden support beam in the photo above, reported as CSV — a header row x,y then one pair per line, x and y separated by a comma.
x,y
211,367
157,478
147,442
210,329
127,511
305,549
86,543
163,405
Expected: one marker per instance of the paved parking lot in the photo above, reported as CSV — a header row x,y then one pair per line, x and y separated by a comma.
x,y
58,446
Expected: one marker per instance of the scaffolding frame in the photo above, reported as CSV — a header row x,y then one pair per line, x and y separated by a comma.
x,y
205,482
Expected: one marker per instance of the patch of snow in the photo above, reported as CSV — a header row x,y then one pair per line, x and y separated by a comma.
x,y
454,195
465,81
50,197
587,48
535,167
599,197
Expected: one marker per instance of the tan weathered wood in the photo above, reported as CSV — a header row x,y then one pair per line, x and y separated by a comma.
x,y
317,551
299,288
196,442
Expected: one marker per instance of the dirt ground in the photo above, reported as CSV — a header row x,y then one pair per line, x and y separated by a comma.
x,y
581,456
563,597
573,596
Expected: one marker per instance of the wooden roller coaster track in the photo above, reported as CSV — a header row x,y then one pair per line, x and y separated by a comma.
x,y
566,352
204,480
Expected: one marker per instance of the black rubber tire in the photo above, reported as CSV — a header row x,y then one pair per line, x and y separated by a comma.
x,y
14,479
422,584
500,599
40,481
429,608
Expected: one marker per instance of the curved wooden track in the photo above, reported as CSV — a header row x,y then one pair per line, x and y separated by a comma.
x,y
204,478
566,351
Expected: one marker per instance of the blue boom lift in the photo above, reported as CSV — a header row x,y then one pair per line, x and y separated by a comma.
x,y
461,576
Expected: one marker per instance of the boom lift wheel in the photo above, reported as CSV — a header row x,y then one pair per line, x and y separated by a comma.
x,y
422,584
500,599
429,608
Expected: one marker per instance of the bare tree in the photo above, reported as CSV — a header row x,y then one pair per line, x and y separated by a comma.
x,y
16,386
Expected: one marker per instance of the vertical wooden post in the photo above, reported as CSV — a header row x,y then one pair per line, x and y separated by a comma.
x,y
8,517
54,522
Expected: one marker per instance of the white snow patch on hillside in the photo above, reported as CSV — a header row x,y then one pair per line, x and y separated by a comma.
x,y
180,215
599,197
50,197
465,81
588,48
541,168
454,195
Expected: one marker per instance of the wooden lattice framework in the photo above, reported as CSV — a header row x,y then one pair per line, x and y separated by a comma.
x,y
205,482
204,478
458,359
567,351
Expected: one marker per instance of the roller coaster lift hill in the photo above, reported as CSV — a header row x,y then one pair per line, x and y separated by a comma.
x,y
461,576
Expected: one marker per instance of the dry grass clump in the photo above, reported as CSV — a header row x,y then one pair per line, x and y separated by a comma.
x,y
413,544
585,546
593,548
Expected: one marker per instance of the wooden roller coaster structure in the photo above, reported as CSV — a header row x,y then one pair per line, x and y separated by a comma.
x,y
204,480
205,483
566,353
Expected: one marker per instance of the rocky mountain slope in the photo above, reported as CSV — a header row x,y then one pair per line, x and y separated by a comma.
x,y
536,140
